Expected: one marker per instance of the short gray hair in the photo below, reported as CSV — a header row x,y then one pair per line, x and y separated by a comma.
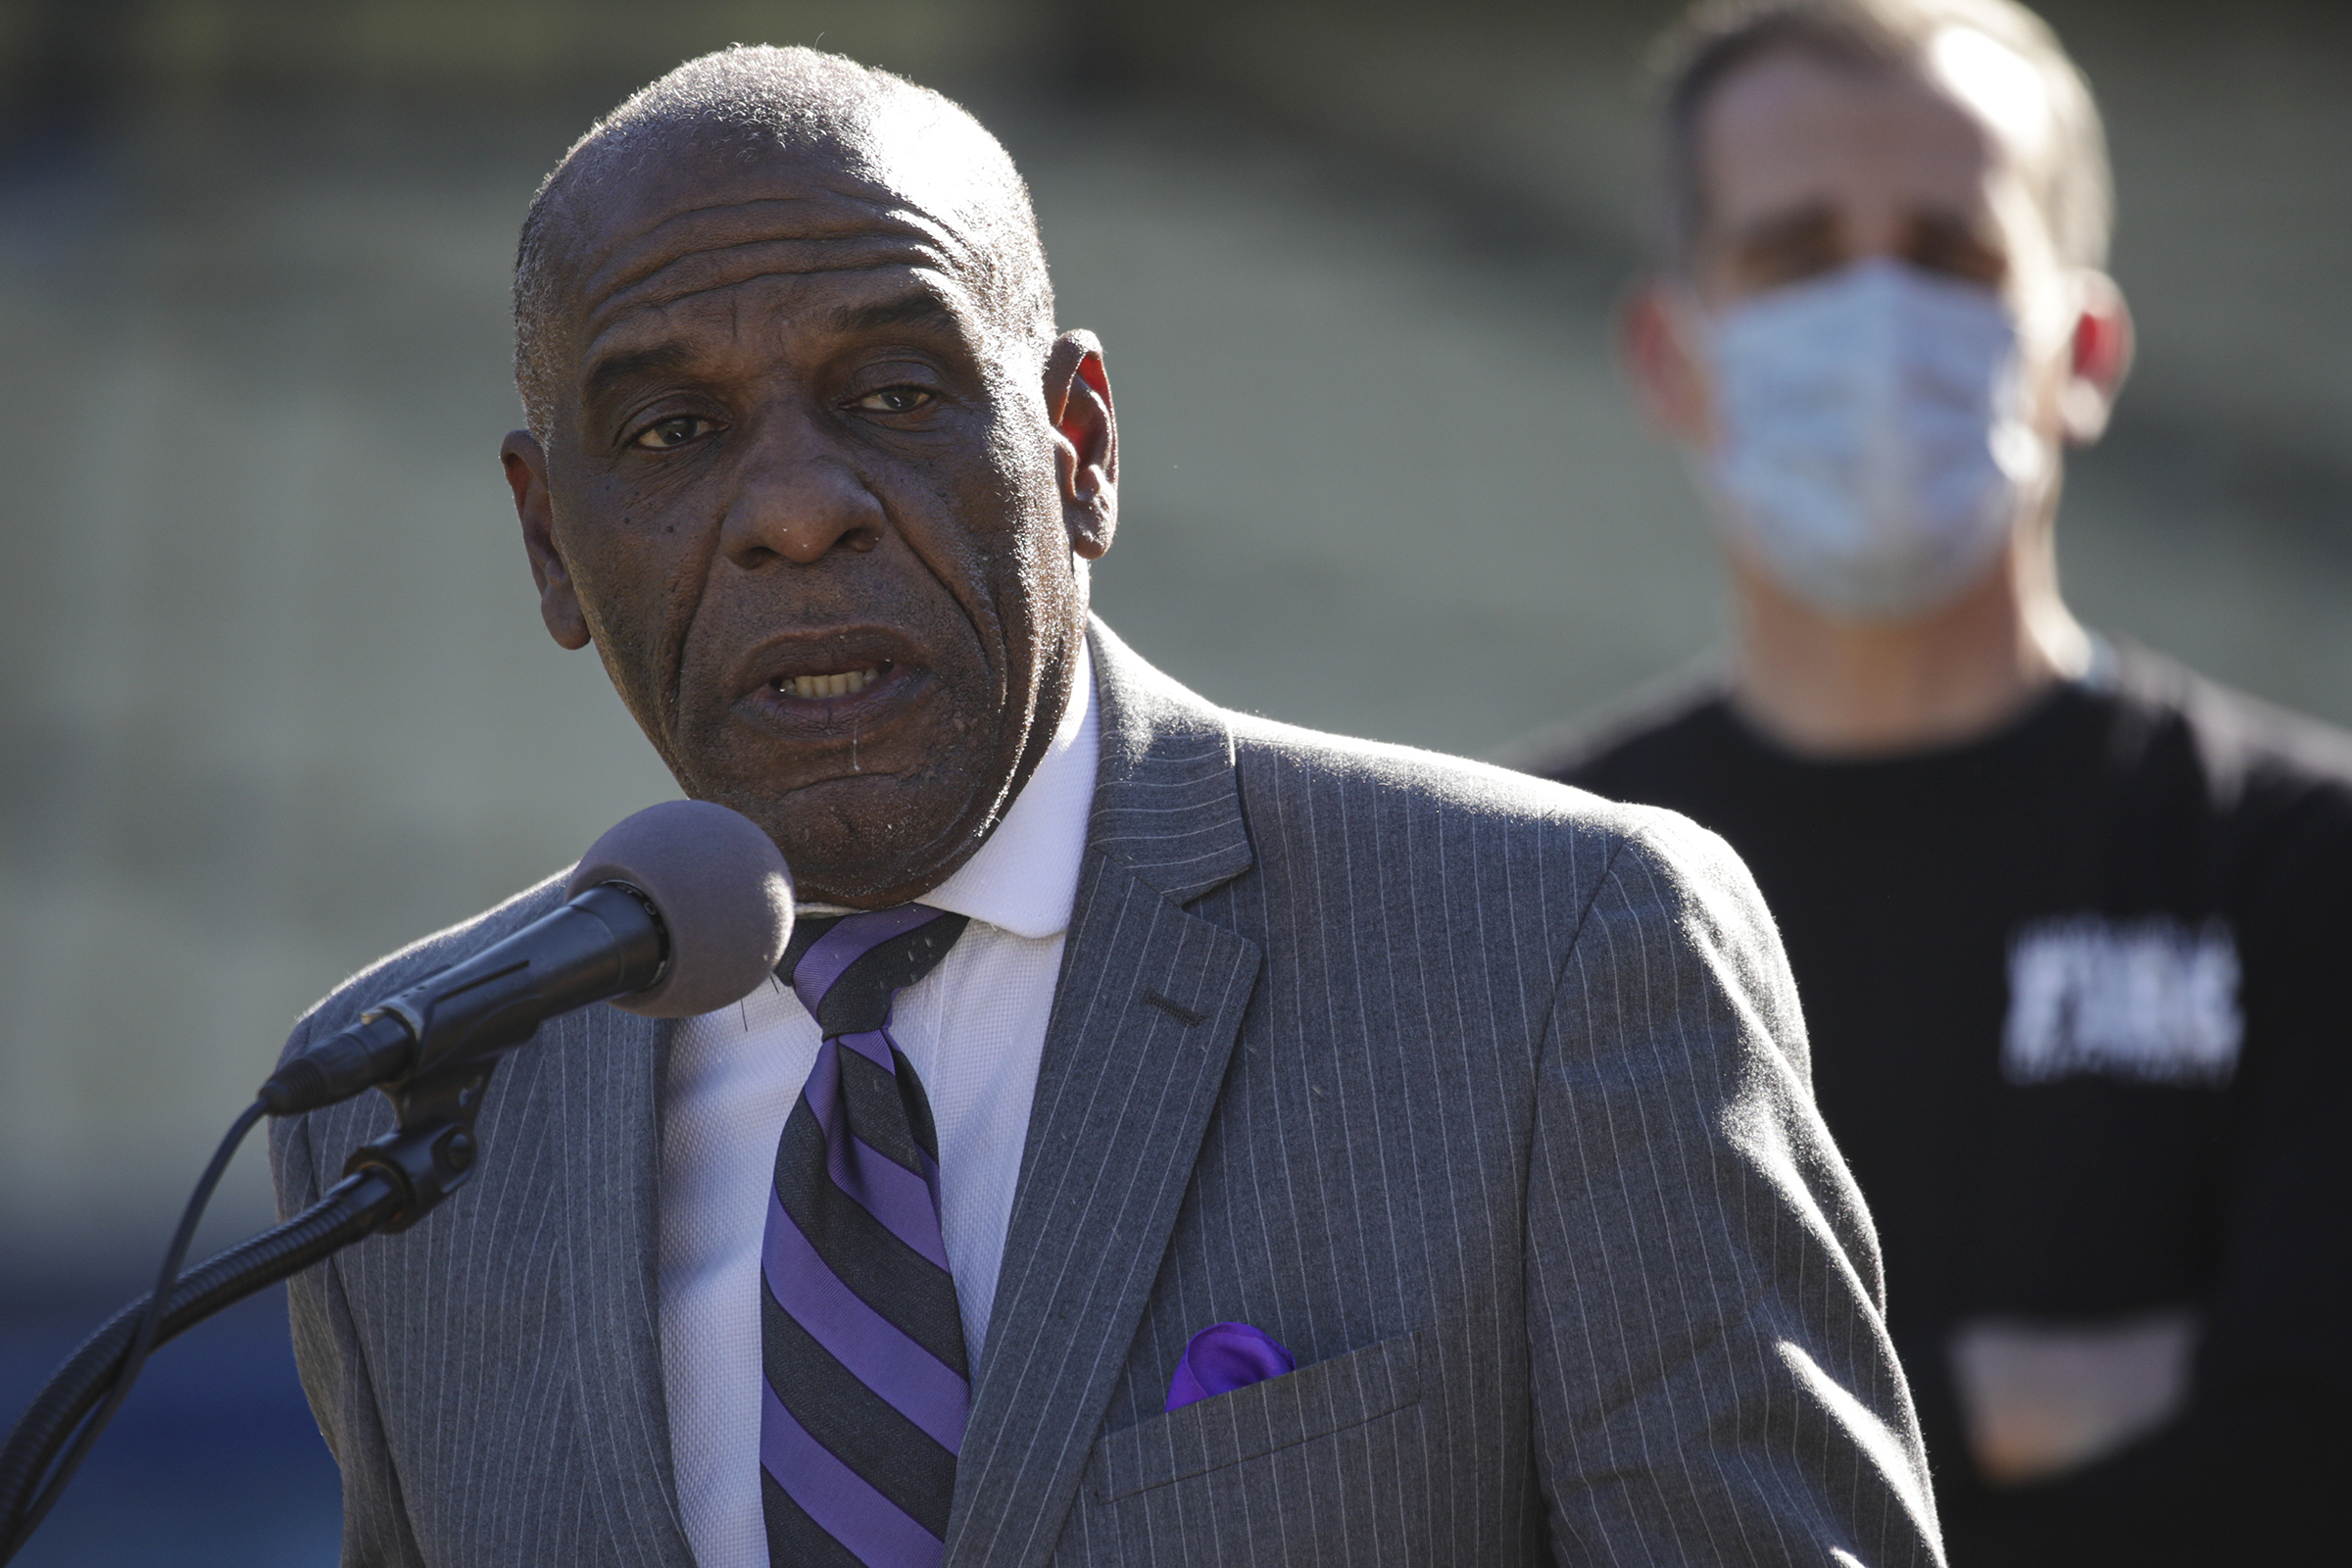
x,y
1717,37
754,98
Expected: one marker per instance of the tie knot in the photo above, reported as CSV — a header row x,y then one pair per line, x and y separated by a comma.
x,y
844,968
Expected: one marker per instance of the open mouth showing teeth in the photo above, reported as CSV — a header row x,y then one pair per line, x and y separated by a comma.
x,y
839,683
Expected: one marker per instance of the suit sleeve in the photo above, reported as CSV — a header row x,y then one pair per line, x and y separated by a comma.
x,y
1713,1379
334,1374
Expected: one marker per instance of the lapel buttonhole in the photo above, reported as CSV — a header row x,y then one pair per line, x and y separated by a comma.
x,y
1175,1010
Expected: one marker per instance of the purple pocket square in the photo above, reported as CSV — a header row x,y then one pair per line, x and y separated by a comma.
x,y
1223,1358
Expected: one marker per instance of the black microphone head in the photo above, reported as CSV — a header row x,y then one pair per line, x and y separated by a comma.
x,y
723,895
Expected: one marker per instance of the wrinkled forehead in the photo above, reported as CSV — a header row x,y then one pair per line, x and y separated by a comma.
x,y
712,209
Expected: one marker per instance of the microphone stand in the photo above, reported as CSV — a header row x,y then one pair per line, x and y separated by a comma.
x,y
389,1184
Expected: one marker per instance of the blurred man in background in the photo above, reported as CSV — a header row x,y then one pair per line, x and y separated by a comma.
x,y
2070,925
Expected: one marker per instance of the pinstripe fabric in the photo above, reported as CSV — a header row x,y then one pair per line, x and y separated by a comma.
x,y
492,1383
1485,1098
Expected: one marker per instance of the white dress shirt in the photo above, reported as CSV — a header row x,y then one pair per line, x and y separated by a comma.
x,y
973,1029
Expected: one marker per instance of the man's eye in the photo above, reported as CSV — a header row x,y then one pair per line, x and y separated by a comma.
x,y
1954,250
1969,264
671,432
894,400
1792,261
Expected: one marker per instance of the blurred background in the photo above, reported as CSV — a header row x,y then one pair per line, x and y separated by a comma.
x,y
273,696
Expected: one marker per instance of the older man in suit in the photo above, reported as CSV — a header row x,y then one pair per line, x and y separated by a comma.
x,y
1172,1137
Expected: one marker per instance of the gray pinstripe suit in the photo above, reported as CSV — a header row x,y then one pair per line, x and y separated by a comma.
x,y
1488,1099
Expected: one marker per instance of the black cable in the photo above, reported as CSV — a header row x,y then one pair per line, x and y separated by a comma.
x,y
146,1337
357,1206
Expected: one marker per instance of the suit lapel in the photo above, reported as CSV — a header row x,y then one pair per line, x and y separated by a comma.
x,y
1150,1000
606,1083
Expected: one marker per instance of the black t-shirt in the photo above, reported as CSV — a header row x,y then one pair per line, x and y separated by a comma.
x,y
2080,997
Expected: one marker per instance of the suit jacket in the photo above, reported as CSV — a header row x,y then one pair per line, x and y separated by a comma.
x,y
1487,1098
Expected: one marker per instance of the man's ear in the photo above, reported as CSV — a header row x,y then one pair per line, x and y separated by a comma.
x,y
2100,356
1087,441
1653,338
526,476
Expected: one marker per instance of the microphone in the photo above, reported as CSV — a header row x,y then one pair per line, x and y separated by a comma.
x,y
682,909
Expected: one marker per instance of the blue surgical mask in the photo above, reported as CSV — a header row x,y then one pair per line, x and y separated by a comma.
x,y
1873,447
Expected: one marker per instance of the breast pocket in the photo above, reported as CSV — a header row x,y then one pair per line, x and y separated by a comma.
x,y
1326,1464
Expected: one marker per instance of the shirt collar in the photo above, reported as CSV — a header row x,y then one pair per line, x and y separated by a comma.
x,y
1024,879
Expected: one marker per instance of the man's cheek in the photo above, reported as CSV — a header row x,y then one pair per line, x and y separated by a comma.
x,y
623,605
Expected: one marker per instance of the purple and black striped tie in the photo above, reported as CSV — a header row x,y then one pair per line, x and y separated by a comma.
x,y
866,1386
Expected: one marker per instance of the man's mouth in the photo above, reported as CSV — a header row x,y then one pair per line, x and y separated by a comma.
x,y
818,688
832,683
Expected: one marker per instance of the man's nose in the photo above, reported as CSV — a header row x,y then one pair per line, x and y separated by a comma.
x,y
799,499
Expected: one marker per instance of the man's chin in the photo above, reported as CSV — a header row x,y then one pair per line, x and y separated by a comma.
x,y
866,839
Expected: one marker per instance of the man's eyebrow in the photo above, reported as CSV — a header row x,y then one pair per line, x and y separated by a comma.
x,y
1945,222
615,369
919,307
1810,222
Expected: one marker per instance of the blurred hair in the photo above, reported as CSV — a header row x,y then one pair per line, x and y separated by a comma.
x,y
754,99
1716,37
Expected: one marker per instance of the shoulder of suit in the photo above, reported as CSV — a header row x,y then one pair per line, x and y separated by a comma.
x,y
391,972
1285,756
1313,796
